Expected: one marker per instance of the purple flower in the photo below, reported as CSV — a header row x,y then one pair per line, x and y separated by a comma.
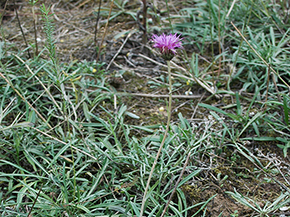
x,y
167,44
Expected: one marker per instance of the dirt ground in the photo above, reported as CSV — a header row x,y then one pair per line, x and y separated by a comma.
x,y
77,38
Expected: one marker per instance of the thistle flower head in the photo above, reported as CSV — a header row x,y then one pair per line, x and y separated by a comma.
x,y
167,44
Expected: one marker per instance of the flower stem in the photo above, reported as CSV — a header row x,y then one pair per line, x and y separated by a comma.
x,y
162,142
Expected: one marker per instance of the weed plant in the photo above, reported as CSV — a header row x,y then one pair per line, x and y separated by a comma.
x,y
65,150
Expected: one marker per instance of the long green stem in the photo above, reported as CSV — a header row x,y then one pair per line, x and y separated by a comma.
x,y
163,140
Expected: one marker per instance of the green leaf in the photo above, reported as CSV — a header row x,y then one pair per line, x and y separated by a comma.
x,y
132,115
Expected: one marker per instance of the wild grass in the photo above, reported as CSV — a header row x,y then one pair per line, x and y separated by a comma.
x,y
67,149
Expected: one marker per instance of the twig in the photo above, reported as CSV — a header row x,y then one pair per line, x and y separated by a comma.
x,y
231,8
261,58
176,185
82,4
64,143
268,174
268,81
195,109
106,28
197,80
47,91
97,22
128,36
151,60
35,28
4,11
23,35
144,21
159,96
35,201
219,42
77,149
19,94
279,98
66,23
165,66
152,95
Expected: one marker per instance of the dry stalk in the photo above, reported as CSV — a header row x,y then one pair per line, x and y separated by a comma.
x,y
22,32
97,22
25,100
35,28
106,28
144,21
46,90
4,10
120,49
268,81
261,58
176,184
